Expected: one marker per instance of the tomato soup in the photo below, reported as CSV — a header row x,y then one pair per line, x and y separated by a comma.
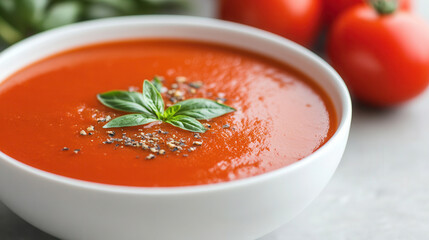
x,y
50,117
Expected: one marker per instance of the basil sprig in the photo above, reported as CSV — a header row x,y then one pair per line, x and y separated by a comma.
x,y
148,107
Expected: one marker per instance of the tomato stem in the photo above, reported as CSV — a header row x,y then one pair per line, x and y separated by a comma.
x,y
384,7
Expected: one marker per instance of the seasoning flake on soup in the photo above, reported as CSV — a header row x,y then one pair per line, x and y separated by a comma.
x,y
207,114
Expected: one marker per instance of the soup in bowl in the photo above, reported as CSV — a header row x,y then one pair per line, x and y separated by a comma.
x,y
166,128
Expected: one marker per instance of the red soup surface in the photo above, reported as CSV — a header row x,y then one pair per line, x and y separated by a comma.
x,y
282,116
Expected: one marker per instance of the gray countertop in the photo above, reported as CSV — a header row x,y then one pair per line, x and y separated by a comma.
x,y
380,190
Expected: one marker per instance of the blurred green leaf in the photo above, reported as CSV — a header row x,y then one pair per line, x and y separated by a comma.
x,y
62,13
95,11
39,11
123,7
7,9
23,15
2,45
7,4
8,33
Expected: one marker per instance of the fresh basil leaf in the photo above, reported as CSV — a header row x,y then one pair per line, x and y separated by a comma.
x,y
171,111
150,107
129,120
157,83
200,108
125,101
186,123
153,99
62,13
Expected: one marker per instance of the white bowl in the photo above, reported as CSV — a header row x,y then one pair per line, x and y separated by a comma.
x,y
241,209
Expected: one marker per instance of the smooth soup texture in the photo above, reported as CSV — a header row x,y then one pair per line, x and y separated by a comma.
x,y
281,117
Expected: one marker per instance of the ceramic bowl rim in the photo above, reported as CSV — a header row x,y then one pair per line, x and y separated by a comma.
x,y
343,127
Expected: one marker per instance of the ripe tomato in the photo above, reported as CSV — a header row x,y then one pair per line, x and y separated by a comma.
x,y
333,8
384,59
297,20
